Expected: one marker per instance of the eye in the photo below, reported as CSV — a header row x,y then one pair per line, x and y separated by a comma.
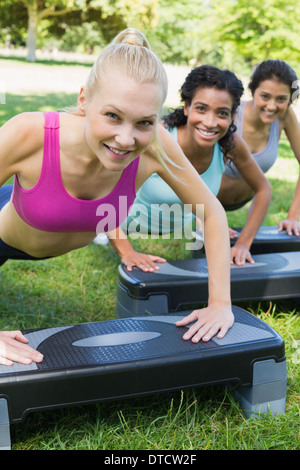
x,y
201,109
224,114
145,123
282,99
112,115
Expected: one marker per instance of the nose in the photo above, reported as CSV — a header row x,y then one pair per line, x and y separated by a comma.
x,y
210,120
125,136
272,105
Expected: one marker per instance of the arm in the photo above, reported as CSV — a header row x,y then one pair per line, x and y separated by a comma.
x,y
255,178
217,318
292,130
19,139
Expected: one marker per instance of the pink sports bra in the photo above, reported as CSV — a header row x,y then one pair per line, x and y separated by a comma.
x,y
48,207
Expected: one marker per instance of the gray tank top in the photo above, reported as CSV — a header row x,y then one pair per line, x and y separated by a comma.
x,y
266,158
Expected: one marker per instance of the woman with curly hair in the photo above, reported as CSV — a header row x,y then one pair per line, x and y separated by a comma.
x,y
205,130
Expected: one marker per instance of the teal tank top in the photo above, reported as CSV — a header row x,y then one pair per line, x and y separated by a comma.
x,y
157,209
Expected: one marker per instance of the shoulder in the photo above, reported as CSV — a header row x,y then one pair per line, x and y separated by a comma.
x,y
240,151
24,132
289,119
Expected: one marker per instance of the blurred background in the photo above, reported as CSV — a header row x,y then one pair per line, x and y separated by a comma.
x,y
236,34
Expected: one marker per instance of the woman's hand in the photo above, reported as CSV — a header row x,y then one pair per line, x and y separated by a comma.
x,y
13,348
239,254
291,226
209,321
142,261
232,234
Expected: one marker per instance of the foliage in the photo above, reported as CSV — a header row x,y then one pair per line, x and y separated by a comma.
x,y
257,30
227,33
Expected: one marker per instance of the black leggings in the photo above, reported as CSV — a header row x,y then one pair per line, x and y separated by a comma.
x,y
6,251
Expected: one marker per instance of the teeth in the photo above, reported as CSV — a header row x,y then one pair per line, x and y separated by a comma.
x,y
118,152
207,133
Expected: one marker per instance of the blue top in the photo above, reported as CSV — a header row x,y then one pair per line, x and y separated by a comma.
x,y
148,216
266,158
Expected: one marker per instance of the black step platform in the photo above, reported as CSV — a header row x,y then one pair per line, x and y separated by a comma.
x,y
135,356
184,283
267,240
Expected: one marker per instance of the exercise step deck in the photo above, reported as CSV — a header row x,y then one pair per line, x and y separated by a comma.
x,y
267,240
184,283
121,358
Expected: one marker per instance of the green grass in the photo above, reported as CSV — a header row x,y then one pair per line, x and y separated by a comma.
x,y
80,287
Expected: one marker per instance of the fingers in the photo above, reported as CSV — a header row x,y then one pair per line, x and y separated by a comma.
x,y
239,256
13,348
142,261
209,323
292,227
232,233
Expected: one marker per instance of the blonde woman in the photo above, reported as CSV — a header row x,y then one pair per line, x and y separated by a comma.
x,y
73,168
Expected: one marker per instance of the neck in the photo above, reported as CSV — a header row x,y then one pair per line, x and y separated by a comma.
x,y
194,152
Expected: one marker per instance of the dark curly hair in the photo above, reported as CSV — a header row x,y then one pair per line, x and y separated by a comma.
x,y
278,70
208,76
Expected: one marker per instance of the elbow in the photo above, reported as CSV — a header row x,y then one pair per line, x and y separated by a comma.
x,y
268,191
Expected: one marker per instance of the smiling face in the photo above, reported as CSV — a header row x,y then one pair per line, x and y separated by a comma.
x,y
271,100
120,119
209,115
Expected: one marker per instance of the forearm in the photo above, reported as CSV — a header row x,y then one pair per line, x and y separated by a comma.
x,y
256,215
294,210
217,248
120,242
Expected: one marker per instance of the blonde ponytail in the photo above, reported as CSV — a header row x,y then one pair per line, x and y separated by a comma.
x,y
133,37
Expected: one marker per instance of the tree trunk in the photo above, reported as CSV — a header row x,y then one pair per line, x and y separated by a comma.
x,y
32,30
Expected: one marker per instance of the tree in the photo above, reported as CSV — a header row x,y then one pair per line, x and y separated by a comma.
x,y
112,15
38,10
257,30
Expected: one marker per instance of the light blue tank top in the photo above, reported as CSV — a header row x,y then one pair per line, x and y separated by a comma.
x,y
266,158
148,215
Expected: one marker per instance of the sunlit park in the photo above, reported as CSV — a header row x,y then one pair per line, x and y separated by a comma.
x,y
47,49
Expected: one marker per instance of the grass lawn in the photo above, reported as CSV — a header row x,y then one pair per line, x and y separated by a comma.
x,y
80,287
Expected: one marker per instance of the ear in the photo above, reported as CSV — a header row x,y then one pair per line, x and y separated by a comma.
x,y
81,100
186,109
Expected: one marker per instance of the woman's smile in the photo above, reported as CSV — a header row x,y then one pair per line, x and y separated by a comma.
x,y
118,154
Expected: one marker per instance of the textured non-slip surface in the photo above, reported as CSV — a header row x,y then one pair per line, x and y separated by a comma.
x,y
130,339
268,264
